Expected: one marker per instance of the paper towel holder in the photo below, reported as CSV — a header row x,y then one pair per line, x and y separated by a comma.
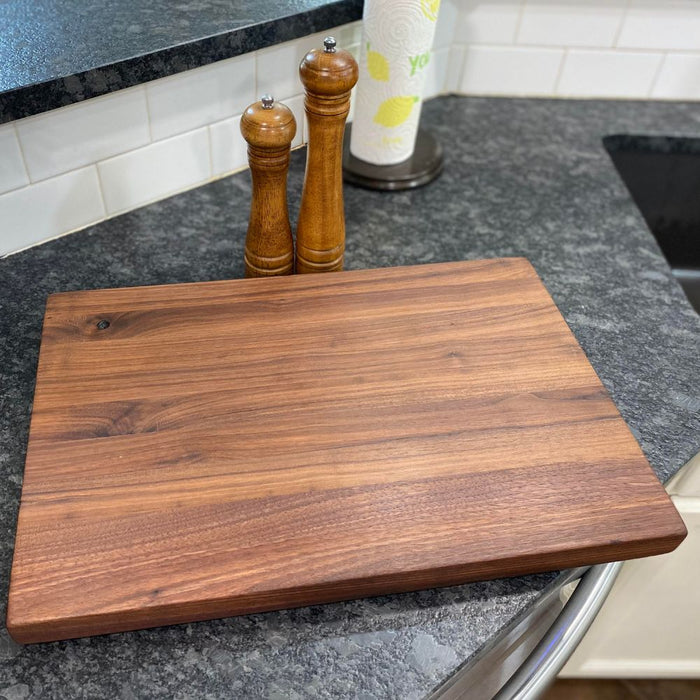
x,y
422,167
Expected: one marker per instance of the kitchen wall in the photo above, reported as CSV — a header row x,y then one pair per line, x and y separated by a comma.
x,y
578,48
72,167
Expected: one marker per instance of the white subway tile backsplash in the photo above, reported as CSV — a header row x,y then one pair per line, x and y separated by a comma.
x,y
201,96
155,171
228,147
661,24
68,138
506,70
12,171
47,209
455,65
229,151
351,113
278,69
354,49
571,22
347,34
436,73
446,24
568,48
491,22
315,41
296,104
679,78
590,73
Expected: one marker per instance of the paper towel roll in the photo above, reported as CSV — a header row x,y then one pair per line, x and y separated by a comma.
x,y
397,37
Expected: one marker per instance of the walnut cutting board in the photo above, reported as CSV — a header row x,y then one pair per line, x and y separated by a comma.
x,y
204,450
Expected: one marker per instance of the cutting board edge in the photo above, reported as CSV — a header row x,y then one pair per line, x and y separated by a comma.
x,y
31,632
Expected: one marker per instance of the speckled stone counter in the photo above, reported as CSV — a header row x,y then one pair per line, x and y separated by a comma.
x,y
56,52
522,177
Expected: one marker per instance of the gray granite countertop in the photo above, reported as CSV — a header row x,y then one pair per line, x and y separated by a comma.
x,y
523,178
56,52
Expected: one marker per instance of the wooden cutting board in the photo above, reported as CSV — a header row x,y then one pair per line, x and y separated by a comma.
x,y
205,450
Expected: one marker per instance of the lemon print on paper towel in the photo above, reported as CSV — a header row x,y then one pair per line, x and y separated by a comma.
x,y
430,8
377,65
395,110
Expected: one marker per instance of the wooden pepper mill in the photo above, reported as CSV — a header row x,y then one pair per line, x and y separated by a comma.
x,y
328,76
269,128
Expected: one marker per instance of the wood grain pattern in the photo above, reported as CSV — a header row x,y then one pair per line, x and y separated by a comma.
x,y
229,447
328,78
269,247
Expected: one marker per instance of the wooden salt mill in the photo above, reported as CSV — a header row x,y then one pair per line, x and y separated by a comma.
x,y
328,76
269,128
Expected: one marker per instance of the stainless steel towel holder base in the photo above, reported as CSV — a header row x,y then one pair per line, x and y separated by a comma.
x,y
421,168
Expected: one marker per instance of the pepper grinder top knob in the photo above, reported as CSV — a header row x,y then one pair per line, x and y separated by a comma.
x,y
268,124
329,71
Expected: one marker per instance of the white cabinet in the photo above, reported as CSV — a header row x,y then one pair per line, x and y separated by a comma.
x,y
649,626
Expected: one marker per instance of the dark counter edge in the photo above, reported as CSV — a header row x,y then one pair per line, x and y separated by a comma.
x,y
59,92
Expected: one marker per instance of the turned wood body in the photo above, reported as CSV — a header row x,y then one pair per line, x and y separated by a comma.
x,y
328,76
269,128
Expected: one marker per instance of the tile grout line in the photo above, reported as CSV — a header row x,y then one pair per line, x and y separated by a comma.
x,y
518,23
21,153
210,149
55,237
255,74
682,52
560,71
100,187
443,84
599,48
148,113
623,19
86,166
657,74
460,68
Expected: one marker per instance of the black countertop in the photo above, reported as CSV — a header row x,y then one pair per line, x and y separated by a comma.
x,y
522,178
57,52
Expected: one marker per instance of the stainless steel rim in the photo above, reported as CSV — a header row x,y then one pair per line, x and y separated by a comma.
x,y
545,661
